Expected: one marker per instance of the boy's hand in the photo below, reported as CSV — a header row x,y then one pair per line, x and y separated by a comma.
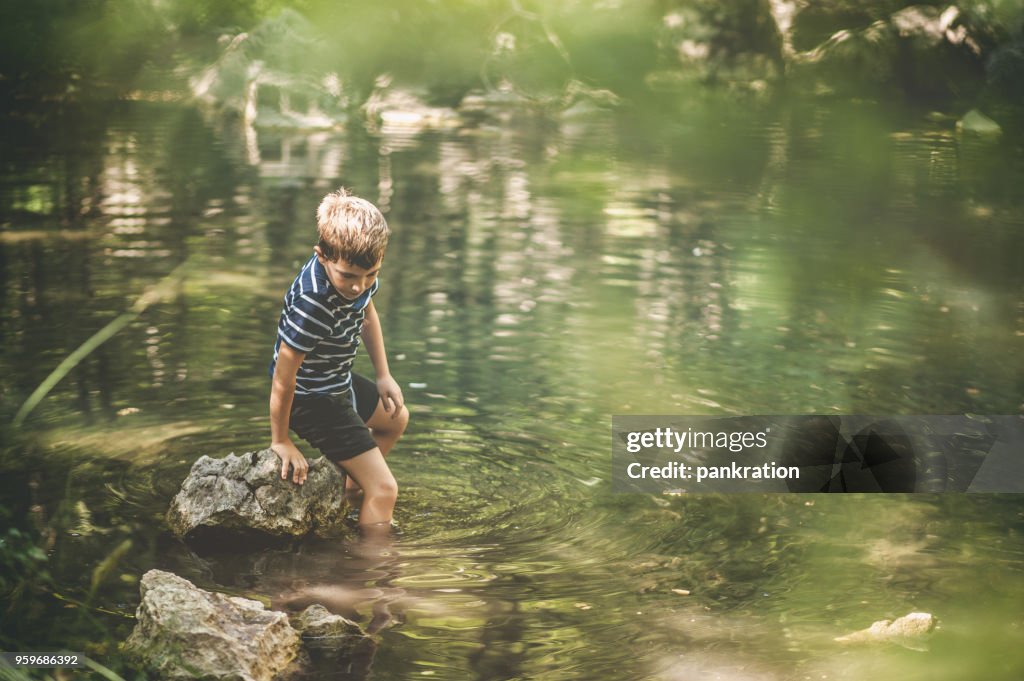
x,y
390,395
291,456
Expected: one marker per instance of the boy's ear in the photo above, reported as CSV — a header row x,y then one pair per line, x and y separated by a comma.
x,y
319,253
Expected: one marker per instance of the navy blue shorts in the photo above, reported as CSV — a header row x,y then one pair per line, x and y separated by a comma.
x,y
336,424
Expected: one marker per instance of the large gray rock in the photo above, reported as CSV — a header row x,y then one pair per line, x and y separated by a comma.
x,y
246,492
184,632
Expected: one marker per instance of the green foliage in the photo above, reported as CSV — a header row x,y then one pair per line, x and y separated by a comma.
x,y
72,47
22,563
202,17
34,58
415,42
59,48
103,571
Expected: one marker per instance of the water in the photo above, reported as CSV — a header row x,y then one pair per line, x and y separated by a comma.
x,y
708,256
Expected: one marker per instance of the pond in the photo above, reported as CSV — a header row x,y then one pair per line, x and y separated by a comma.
x,y
709,255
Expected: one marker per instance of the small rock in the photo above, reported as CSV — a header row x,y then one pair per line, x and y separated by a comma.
x,y
316,621
333,642
247,493
978,123
184,632
906,631
322,629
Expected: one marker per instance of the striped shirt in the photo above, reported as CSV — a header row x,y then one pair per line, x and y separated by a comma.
x,y
317,321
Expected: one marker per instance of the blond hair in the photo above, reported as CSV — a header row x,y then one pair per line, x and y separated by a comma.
x,y
351,229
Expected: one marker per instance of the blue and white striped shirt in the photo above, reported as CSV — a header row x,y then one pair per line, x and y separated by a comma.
x,y
316,320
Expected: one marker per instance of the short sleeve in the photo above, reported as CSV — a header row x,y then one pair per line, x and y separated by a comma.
x,y
305,321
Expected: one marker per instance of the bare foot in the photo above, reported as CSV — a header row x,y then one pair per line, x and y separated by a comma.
x,y
381,618
335,597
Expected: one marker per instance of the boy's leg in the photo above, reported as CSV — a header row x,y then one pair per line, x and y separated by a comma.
x,y
380,490
385,432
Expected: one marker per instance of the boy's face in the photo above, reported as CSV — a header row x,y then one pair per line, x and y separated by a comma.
x,y
347,279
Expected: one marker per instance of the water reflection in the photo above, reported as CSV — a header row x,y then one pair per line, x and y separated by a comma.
x,y
545,273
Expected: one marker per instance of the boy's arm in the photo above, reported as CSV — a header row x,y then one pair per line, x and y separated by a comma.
x,y
387,387
281,394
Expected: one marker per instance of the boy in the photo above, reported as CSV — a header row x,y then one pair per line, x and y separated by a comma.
x,y
349,419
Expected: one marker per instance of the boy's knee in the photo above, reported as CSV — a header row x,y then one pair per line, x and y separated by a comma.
x,y
383,490
392,427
